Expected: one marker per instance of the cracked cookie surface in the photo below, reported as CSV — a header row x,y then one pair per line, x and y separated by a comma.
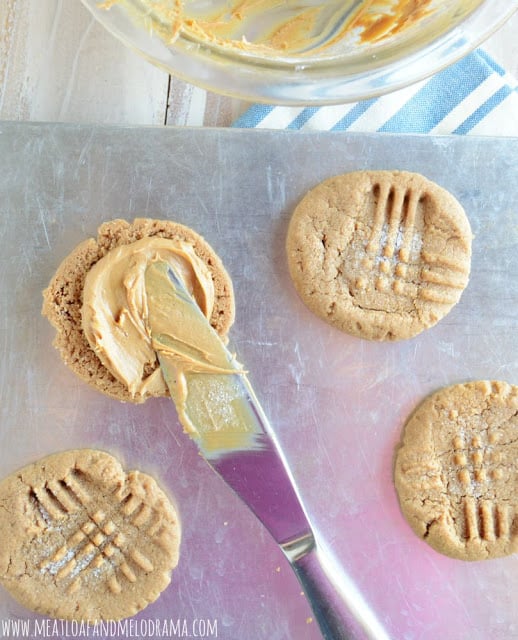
x,y
456,471
84,540
381,255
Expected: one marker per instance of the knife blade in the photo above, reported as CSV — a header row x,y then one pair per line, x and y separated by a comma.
x,y
219,409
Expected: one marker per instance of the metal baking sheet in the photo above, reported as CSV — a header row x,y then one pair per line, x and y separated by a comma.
x,y
337,403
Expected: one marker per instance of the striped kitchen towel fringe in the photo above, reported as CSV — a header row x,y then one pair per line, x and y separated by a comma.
x,y
474,96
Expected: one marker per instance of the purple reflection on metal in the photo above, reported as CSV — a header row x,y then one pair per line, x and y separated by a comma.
x,y
260,478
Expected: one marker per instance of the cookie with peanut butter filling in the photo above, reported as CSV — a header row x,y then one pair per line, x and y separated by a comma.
x,y
84,540
78,312
381,255
456,470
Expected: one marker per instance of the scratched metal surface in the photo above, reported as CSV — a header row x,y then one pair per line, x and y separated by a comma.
x,y
337,403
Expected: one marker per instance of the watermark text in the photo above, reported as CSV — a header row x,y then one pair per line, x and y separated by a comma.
x,y
128,628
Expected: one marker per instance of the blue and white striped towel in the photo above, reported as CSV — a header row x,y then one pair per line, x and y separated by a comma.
x,y
474,96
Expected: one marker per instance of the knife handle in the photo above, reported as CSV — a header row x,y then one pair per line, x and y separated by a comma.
x,y
339,608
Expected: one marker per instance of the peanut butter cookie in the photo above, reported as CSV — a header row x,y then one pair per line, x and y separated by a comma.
x,y
63,298
379,254
456,471
83,540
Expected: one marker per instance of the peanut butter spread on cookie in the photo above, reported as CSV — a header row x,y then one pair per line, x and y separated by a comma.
x,y
150,301
115,311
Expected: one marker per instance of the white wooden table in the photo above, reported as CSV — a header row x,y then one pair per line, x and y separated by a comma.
x,y
58,64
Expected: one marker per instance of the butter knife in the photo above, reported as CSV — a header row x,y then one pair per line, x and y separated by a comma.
x,y
219,409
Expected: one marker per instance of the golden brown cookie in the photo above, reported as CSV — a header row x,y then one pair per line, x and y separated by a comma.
x,y
456,472
84,540
62,300
379,254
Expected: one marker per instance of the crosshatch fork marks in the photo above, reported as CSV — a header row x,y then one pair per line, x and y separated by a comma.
x,y
70,552
97,546
358,248
455,471
395,244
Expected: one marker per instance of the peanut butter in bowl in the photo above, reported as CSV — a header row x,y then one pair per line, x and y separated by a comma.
x,y
306,52
279,28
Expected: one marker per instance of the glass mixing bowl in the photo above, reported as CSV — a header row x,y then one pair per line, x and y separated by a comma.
x,y
308,52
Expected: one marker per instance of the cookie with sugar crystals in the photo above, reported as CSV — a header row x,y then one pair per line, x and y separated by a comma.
x,y
84,540
63,298
456,470
381,255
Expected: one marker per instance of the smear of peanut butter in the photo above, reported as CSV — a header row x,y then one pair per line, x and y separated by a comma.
x,y
204,379
308,28
115,309
375,26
